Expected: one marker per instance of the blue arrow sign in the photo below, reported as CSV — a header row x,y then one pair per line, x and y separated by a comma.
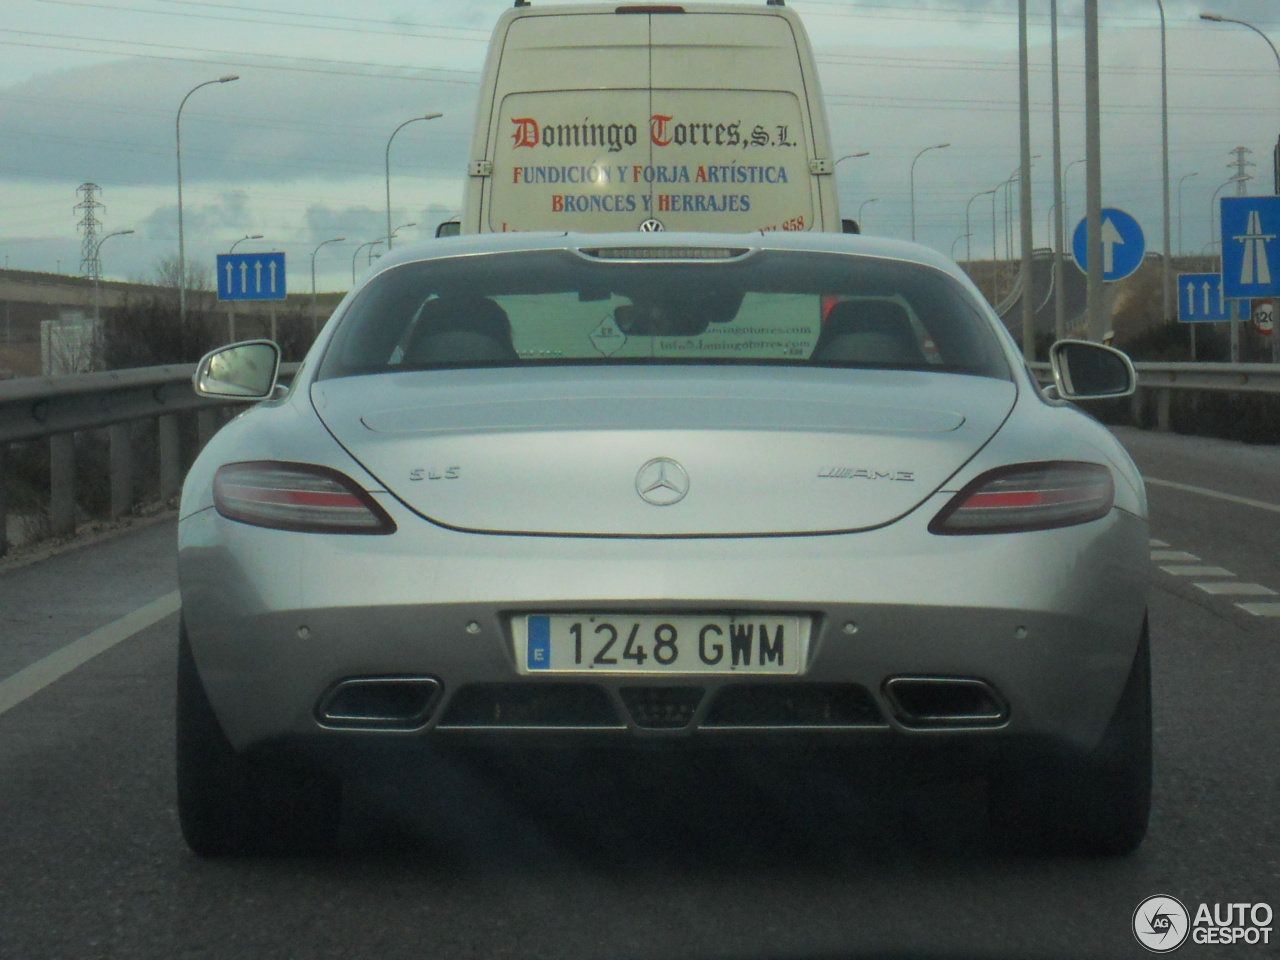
x,y
1200,298
1122,244
251,276
1250,247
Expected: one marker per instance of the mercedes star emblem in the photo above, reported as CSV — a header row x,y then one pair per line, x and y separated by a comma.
x,y
662,482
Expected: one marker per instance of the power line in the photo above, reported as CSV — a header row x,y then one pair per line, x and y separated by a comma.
x,y
415,68
293,24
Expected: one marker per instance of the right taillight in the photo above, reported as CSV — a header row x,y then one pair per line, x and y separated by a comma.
x,y
1028,496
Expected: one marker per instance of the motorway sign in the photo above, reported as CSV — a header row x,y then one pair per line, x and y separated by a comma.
x,y
251,276
1122,244
1200,298
1250,247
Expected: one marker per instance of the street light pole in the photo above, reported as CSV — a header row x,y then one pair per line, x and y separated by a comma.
x,y
836,166
96,249
231,304
394,233
1096,321
1213,211
957,240
428,116
1024,201
313,281
850,156
1275,158
1180,183
860,206
356,253
1219,18
1066,203
182,250
968,247
936,146
1056,231
1166,284
995,277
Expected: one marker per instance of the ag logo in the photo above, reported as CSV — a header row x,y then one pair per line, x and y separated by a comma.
x,y
1264,316
1161,924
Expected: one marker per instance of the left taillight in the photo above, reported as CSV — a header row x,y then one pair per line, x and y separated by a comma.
x,y
297,496
1028,496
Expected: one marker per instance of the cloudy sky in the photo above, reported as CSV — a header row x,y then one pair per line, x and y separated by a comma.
x,y
294,149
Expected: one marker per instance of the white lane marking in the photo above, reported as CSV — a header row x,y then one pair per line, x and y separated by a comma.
x,y
1218,494
1156,543
1178,556
1261,609
1180,571
1236,588
31,680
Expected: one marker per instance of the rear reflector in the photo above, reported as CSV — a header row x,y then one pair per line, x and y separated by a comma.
x,y
297,496
1028,496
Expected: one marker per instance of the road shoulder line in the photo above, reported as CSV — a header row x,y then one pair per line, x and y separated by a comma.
x,y
1203,491
31,680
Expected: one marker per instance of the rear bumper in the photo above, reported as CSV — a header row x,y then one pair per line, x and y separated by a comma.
x,y
1034,634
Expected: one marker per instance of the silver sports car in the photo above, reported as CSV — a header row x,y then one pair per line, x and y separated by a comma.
x,y
663,490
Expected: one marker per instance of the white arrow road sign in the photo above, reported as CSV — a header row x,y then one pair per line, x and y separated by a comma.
x,y
250,269
1110,237
1201,298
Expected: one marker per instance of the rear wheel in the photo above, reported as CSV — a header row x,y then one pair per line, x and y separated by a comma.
x,y
1094,805
243,803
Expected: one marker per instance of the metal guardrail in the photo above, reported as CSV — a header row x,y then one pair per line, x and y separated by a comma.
x,y
1161,379
56,407
1247,377
32,408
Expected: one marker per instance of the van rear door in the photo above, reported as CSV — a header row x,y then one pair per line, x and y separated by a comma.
x,y
611,121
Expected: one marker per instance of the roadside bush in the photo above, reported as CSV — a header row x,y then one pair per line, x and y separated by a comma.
x,y
147,330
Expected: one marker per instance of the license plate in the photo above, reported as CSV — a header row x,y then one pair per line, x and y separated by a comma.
x,y
603,643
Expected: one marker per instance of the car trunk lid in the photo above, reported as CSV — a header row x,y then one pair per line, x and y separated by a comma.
x,y
662,451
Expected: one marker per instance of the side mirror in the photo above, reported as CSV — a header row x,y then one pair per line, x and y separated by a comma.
x,y
450,228
240,371
1083,370
850,226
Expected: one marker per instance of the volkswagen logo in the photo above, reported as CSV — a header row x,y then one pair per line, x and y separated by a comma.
x,y
652,226
662,482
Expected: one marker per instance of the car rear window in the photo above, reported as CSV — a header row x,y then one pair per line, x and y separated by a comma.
x,y
697,306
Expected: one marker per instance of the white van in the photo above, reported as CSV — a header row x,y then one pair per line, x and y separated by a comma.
x,y
650,117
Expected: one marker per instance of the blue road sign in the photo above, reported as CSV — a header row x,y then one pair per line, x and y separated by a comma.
x,y
1122,244
1250,247
251,276
1200,298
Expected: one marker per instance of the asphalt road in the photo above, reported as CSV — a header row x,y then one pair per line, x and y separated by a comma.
x,y
573,856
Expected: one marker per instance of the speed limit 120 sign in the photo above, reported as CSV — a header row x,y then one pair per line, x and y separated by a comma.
x,y
1263,316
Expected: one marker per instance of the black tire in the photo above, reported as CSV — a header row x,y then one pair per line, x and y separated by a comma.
x,y
242,803
1096,805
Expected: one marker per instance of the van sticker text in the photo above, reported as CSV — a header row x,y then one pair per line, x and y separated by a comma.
x,y
664,131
